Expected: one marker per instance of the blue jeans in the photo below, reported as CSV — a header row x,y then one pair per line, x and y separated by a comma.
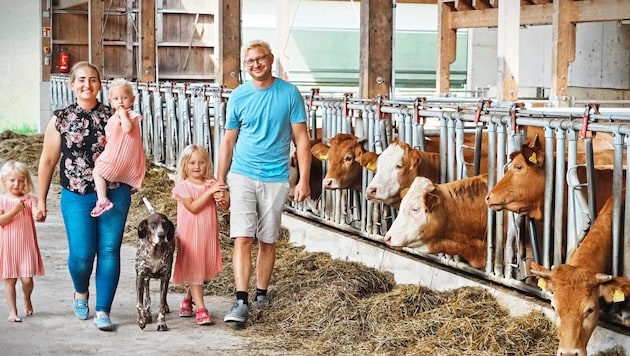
x,y
100,238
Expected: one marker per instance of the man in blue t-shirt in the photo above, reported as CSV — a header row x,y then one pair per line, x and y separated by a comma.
x,y
263,115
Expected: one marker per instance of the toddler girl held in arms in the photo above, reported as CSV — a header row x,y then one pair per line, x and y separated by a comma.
x,y
123,159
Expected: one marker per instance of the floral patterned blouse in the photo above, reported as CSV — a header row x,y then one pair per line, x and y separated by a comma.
x,y
82,141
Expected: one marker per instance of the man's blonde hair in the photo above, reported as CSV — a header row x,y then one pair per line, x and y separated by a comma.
x,y
256,43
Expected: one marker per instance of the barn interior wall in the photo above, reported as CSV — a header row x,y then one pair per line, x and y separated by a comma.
x,y
20,67
602,60
602,56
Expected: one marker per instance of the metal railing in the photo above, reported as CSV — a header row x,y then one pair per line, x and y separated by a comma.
x,y
175,115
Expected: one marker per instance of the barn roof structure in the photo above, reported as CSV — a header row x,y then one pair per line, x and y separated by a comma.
x,y
145,46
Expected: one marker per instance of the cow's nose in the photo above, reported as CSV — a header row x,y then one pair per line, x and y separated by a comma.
x,y
388,239
487,197
328,182
570,352
371,192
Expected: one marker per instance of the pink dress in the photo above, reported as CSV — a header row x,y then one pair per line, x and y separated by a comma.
x,y
199,252
123,158
19,250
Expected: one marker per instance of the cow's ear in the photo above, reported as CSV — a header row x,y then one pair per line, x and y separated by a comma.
x,y
543,274
368,160
616,290
431,201
533,157
320,151
415,157
358,152
536,145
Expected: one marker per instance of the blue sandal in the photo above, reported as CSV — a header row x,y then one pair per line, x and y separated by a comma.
x,y
80,308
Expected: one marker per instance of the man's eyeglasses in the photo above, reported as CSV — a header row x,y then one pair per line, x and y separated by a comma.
x,y
258,60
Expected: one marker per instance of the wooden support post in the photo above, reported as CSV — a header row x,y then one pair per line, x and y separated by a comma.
x,y
229,67
562,48
446,48
508,50
148,44
95,34
46,41
375,67
284,32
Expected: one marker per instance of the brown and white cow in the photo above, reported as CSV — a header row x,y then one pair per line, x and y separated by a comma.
x,y
578,285
396,168
342,153
446,218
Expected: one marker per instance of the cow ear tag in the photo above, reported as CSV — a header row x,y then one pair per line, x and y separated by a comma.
x,y
618,296
323,156
542,283
371,166
533,159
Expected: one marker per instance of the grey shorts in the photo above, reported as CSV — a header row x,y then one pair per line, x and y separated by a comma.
x,y
256,207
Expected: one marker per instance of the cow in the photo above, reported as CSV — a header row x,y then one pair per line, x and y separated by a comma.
x,y
522,188
446,218
578,285
396,168
315,182
342,153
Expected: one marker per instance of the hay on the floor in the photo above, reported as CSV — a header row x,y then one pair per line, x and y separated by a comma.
x,y
325,306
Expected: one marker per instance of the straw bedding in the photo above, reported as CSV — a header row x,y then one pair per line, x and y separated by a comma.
x,y
325,306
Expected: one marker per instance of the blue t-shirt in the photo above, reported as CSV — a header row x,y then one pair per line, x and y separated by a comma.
x,y
264,118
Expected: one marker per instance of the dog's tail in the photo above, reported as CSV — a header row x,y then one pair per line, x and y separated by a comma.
x,y
148,204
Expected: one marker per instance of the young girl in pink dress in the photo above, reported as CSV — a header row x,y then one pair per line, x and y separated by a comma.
x,y
19,252
198,252
123,159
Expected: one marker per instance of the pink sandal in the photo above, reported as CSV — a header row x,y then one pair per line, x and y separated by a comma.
x,y
186,307
203,318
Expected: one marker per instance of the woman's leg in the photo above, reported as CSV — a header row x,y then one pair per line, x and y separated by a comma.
x,y
111,227
82,238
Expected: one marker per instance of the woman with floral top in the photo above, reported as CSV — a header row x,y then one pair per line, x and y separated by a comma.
x,y
76,135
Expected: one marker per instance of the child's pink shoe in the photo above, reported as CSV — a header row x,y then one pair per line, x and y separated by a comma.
x,y
101,207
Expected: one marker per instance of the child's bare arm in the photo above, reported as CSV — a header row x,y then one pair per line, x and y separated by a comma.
x,y
6,218
126,122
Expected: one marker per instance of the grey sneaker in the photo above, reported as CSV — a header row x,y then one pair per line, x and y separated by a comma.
x,y
261,301
238,313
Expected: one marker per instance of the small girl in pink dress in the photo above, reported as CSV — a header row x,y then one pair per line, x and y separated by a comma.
x,y
123,158
198,252
19,250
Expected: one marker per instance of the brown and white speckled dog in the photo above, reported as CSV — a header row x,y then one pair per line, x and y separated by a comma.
x,y
154,259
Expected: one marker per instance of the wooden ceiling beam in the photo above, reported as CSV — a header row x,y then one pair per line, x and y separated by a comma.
x,y
539,14
481,4
463,5
530,15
